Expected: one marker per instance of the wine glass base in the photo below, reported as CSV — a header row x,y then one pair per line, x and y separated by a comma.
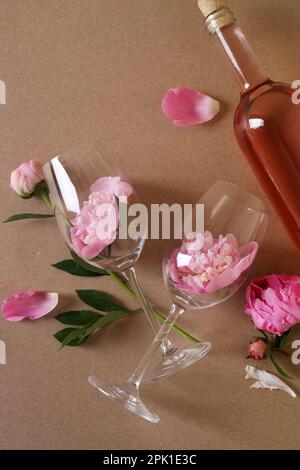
x,y
127,395
175,360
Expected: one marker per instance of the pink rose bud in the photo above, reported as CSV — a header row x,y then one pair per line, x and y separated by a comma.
x,y
24,179
257,349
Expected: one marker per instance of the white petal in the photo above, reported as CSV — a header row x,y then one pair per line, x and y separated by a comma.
x,y
267,380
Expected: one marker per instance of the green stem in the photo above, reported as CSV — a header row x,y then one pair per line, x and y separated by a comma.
x,y
122,283
278,368
46,199
161,317
177,329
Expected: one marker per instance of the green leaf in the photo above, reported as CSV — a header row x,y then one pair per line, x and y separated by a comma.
x,y
263,333
116,277
86,265
108,318
100,301
12,218
78,336
279,369
78,317
72,267
283,338
77,340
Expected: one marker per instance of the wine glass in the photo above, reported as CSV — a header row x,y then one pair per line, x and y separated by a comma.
x,y
91,202
208,268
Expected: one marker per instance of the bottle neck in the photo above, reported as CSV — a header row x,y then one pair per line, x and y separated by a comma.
x,y
244,64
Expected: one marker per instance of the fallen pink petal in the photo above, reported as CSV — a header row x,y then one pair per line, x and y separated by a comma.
x,y
28,304
188,107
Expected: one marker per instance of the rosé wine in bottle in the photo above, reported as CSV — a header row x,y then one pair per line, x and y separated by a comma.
x,y
266,122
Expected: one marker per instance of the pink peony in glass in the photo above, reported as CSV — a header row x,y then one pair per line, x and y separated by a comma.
x,y
204,263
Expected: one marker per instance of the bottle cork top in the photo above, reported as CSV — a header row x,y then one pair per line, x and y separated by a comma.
x,y
209,6
217,15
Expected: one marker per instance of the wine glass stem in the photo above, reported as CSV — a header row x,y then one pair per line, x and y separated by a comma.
x,y
130,274
138,374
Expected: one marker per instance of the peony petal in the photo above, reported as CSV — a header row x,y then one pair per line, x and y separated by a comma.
x,y
274,282
37,167
187,107
113,185
230,275
91,251
28,304
274,321
106,184
124,189
206,264
16,182
95,227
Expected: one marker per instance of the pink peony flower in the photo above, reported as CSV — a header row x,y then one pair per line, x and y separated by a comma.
x,y
95,227
257,349
113,185
24,179
28,304
205,264
187,107
273,302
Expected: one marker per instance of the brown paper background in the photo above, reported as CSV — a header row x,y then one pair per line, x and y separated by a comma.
x,y
83,69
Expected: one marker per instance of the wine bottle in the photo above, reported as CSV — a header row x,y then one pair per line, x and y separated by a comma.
x,y
266,121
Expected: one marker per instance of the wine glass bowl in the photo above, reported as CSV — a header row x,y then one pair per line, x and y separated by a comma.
x,y
70,179
235,223
202,301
